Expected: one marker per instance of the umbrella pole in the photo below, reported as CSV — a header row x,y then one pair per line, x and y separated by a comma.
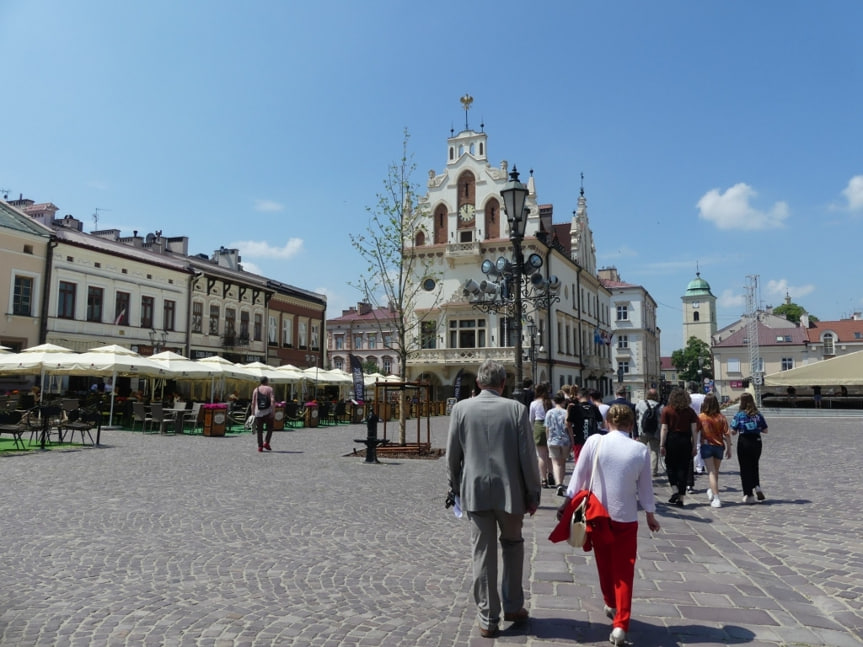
x,y
113,386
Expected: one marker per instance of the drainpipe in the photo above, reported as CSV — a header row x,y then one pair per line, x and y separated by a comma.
x,y
46,288
188,347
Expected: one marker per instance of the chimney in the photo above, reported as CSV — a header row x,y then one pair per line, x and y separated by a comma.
x,y
364,308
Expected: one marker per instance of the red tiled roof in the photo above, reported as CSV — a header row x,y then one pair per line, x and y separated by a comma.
x,y
767,336
377,314
843,330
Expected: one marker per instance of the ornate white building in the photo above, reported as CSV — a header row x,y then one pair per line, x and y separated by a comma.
x,y
463,225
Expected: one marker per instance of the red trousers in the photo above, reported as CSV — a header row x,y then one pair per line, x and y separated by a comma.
x,y
615,562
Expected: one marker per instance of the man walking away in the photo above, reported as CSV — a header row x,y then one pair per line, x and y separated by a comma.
x,y
647,414
491,463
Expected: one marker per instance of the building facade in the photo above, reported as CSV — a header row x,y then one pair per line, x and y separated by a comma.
x,y
636,336
463,224
367,333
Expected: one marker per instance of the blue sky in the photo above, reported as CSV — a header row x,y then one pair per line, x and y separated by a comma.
x,y
724,136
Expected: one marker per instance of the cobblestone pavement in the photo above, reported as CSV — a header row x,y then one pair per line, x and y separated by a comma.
x,y
185,540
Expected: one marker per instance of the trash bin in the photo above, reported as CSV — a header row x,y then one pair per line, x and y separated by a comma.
x,y
311,414
279,416
215,417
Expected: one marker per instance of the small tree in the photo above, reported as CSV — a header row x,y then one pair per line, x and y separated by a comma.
x,y
692,361
792,312
392,276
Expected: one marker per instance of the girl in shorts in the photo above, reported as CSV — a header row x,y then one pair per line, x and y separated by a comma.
x,y
715,442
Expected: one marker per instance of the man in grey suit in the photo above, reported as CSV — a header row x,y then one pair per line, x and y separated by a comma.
x,y
491,459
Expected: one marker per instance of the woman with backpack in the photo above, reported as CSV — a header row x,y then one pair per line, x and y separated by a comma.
x,y
750,424
263,408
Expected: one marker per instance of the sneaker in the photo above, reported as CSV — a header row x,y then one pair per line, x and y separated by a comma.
x,y
260,449
617,637
267,447
561,490
749,500
759,493
709,495
690,490
674,498
609,611
715,503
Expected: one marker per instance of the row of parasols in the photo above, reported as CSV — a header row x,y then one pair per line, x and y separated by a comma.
x,y
114,361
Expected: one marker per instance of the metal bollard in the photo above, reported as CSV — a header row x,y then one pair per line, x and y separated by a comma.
x,y
372,438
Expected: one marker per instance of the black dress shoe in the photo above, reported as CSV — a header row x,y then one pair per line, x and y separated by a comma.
x,y
674,498
491,632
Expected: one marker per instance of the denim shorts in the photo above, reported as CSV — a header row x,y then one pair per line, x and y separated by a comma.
x,y
712,451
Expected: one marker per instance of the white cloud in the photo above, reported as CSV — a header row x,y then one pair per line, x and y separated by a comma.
x,y
778,289
732,209
252,268
854,193
728,299
262,249
268,206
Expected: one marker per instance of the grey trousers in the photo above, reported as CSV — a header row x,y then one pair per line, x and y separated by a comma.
x,y
484,537
653,445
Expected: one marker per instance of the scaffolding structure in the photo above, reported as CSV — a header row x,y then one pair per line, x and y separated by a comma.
x,y
752,307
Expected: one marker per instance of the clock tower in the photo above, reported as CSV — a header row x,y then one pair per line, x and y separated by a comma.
x,y
699,311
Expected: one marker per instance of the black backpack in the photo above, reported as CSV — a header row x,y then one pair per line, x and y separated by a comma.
x,y
650,420
263,401
582,416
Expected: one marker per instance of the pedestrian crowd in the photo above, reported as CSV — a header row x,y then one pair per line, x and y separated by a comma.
x,y
502,453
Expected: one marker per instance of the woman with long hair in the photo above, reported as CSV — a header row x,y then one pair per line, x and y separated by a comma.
x,y
750,424
677,441
715,441
540,405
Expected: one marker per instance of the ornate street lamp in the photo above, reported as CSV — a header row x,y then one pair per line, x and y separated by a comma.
x,y
509,283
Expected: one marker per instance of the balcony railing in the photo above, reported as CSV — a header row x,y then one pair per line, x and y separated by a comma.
x,y
461,356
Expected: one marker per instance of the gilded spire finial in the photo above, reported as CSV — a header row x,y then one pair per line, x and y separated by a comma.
x,y
466,100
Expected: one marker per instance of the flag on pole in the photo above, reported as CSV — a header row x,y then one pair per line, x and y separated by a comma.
x,y
120,317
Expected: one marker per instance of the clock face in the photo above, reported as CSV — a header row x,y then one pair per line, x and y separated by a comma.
x,y
467,212
695,304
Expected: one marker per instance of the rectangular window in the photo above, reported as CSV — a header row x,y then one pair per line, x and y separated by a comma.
x,y
288,332
388,366
829,348
505,333
66,304
623,341
388,340
148,304
428,334
373,342
340,342
197,317
214,320
272,331
302,332
467,333
169,315
622,313
315,342
94,303
121,308
22,299
733,365
259,326
623,365
358,342
787,363
230,322
244,325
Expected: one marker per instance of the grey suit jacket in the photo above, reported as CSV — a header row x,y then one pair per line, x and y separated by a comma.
x,y
491,457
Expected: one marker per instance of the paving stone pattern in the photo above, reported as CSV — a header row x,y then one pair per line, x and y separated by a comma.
x,y
191,541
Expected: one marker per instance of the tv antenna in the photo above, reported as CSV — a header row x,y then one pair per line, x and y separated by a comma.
x,y
5,193
96,217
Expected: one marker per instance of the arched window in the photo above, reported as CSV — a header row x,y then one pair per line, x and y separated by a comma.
x,y
420,239
451,152
696,316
